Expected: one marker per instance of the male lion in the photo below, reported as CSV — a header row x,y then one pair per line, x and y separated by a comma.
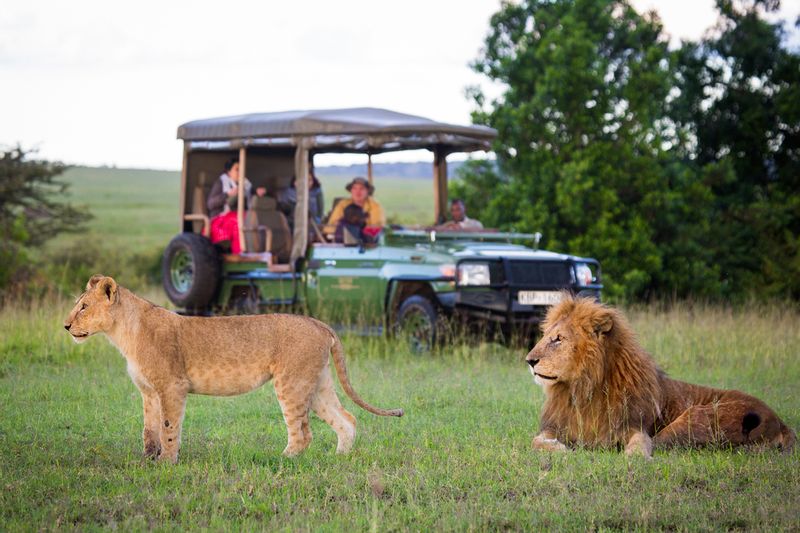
x,y
602,389
170,356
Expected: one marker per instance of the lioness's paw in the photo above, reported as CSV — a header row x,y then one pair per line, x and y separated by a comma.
x,y
152,450
292,452
163,458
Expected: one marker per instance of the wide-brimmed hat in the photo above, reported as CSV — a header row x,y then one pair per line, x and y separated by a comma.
x,y
362,181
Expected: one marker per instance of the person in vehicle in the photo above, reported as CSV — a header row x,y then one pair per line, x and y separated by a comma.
x,y
361,192
225,228
350,229
287,199
460,219
226,187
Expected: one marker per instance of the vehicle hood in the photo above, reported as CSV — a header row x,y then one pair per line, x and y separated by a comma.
x,y
498,250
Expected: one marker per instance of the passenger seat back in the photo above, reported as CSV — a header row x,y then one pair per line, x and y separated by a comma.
x,y
199,194
264,213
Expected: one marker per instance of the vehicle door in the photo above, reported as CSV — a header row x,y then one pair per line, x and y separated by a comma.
x,y
343,283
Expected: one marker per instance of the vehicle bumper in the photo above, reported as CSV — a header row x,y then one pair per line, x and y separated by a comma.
x,y
501,305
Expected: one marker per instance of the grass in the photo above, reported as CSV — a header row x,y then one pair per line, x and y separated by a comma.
x,y
70,421
459,460
137,210
134,210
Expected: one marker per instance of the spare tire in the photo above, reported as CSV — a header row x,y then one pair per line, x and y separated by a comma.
x,y
190,269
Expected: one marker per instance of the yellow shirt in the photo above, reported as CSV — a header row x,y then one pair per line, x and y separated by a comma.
x,y
371,207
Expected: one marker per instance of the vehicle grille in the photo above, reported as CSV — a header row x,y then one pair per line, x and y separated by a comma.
x,y
536,273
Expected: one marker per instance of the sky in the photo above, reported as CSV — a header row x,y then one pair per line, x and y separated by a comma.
x,y
108,83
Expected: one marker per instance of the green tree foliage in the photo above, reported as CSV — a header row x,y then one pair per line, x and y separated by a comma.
x,y
740,104
31,209
598,147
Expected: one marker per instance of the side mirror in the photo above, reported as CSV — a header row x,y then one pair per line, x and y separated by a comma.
x,y
536,238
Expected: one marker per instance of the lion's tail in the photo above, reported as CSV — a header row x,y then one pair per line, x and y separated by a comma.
x,y
337,351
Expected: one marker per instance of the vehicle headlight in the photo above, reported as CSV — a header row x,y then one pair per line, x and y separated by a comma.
x,y
583,274
474,274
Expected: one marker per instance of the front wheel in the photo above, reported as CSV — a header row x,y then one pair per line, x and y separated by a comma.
x,y
418,323
190,269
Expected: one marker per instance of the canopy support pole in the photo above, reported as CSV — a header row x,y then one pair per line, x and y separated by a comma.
x,y
439,185
369,168
240,199
184,173
301,171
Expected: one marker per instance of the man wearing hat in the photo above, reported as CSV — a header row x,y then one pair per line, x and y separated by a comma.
x,y
360,194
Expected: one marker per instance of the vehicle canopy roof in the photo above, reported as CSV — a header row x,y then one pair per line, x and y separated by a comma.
x,y
362,129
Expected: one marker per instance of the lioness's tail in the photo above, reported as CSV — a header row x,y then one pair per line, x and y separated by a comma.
x,y
337,351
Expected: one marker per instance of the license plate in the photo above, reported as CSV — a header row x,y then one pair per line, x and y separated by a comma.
x,y
538,297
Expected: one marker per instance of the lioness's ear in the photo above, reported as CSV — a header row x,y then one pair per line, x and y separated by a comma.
x,y
603,322
109,287
93,281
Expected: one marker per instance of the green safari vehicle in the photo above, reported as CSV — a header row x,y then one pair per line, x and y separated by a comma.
x,y
414,281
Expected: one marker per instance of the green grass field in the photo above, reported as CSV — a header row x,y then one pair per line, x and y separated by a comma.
x,y
137,210
460,458
70,428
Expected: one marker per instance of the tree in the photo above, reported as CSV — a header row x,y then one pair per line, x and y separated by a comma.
x,y
31,209
740,107
585,146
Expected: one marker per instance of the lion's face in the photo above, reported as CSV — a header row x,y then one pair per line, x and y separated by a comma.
x,y
92,311
554,358
571,347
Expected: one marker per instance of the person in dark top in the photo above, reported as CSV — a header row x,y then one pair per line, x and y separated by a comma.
x,y
350,228
226,187
287,199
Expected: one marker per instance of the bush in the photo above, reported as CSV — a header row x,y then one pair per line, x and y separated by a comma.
x,y
64,272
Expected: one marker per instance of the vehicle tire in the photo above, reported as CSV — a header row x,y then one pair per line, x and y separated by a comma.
x,y
190,269
418,322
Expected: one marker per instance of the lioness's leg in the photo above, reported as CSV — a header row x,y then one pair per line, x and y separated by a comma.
x,y
151,435
295,402
641,443
173,403
328,407
547,441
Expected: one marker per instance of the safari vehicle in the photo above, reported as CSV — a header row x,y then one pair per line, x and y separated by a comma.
x,y
412,281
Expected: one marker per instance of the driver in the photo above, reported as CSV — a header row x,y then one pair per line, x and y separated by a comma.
x,y
460,219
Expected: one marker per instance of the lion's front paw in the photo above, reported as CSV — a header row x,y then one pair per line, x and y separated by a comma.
x,y
640,444
547,444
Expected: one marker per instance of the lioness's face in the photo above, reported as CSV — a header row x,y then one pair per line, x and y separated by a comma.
x,y
552,360
91,313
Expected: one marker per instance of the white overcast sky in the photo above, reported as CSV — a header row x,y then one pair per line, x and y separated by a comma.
x,y
108,83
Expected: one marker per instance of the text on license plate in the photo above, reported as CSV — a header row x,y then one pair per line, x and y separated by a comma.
x,y
538,297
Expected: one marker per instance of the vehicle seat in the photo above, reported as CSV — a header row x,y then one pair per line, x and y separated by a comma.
x,y
327,228
266,229
199,207
336,201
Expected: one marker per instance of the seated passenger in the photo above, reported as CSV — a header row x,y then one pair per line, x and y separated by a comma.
x,y
361,195
287,199
225,228
226,187
460,219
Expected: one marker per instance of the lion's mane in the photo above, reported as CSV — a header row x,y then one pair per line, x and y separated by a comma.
x,y
619,387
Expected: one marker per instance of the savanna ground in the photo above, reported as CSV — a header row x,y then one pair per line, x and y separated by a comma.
x,y
70,433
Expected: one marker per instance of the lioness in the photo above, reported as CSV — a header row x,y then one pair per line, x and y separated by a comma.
x,y
602,389
170,356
